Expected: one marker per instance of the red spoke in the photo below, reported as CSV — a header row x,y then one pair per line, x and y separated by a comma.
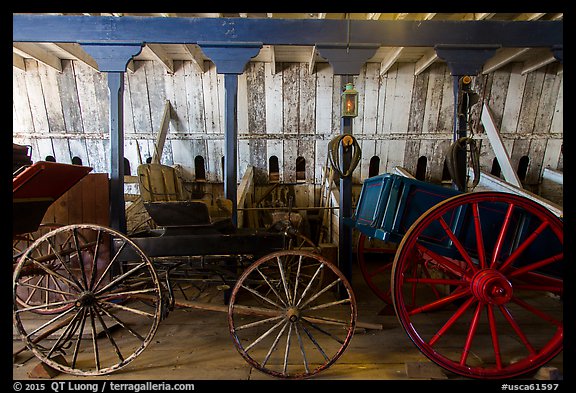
x,y
502,235
451,321
444,262
440,302
414,286
471,333
537,265
479,239
380,269
457,243
537,312
428,276
517,329
436,281
538,282
523,246
494,335
536,287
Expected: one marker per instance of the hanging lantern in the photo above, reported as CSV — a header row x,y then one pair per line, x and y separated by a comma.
x,y
349,101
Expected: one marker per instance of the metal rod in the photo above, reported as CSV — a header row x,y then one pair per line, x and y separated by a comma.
x,y
287,208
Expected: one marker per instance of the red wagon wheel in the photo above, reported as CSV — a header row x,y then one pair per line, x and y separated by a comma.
x,y
484,302
375,259
91,300
304,327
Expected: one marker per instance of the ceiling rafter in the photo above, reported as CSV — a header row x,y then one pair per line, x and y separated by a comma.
x,y
27,49
312,62
18,61
395,54
196,56
160,54
272,59
537,62
76,51
390,59
507,55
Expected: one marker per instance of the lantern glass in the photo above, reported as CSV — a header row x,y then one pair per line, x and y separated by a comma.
x,y
349,101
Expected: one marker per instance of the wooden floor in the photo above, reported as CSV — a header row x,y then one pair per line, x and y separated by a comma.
x,y
196,345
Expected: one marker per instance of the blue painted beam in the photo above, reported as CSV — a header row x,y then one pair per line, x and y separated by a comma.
x,y
131,29
347,60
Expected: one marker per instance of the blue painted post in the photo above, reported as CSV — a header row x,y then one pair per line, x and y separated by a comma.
x,y
463,60
113,59
231,60
345,231
116,121
230,142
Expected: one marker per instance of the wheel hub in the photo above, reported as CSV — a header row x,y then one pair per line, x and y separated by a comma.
x,y
491,286
293,314
86,299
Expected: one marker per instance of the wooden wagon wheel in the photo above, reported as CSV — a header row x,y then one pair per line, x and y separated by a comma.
x,y
304,328
375,259
30,295
500,314
91,301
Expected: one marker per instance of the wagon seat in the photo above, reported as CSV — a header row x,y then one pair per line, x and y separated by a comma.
x,y
171,205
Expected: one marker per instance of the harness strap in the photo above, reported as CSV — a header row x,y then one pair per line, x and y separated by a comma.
x,y
452,161
348,142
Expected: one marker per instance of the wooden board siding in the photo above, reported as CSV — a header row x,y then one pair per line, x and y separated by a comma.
x,y
85,203
290,113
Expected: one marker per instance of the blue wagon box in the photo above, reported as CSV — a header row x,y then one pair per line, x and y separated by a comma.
x,y
389,204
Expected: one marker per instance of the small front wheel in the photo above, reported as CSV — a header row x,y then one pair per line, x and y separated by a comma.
x,y
286,317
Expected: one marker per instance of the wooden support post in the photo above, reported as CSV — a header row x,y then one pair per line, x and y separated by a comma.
x,y
246,186
161,138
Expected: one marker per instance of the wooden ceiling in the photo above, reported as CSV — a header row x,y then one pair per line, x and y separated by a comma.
x,y
51,54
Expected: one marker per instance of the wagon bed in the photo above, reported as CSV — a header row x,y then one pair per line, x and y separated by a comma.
x,y
36,187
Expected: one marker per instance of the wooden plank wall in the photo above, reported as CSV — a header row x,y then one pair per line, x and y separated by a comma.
x,y
289,114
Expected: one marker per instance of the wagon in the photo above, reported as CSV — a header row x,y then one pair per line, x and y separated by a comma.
x,y
475,279
88,299
474,276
